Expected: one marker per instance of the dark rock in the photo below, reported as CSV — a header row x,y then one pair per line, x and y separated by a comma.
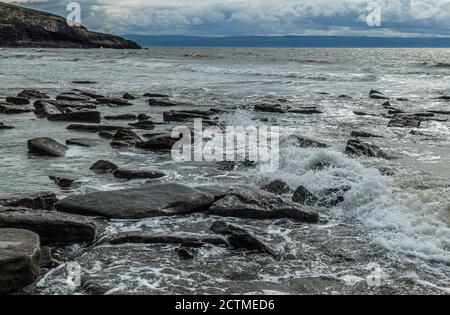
x,y
3,126
130,174
344,97
440,112
61,181
359,113
303,142
143,125
138,203
142,117
239,238
40,200
181,116
95,128
304,197
113,101
185,241
378,95
158,143
23,27
84,82
52,227
270,108
359,148
82,142
226,165
73,97
125,138
122,117
17,100
20,253
69,106
424,115
328,198
363,134
277,187
47,147
305,111
106,134
156,95
47,261
185,253
405,122
29,94
90,94
11,109
103,166
252,203
44,109
161,102
402,99
395,111
128,96
79,116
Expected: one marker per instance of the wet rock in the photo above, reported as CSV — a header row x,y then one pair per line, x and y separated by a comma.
x,y
3,126
423,115
405,122
158,143
47,261
11,109
253,203
142,117
122,117
78,116
130,174
128,96
84,82
106,134
303,142
363,134
90,94
143,125
19,259
73,97
374,94
277,187
53,228
61,181
440,112
125,138
344,97
394,111
359,148
103,166
161,102
186,240
41,200
156,95
239,238
226,165
181,116
138,203
29,94
360,113
186,253
96,128
69,106
47,147
113,101
82,142
44,109
270,108
17,100
328,198
305,111
304,197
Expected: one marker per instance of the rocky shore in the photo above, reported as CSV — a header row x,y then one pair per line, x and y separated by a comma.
x,y
37,223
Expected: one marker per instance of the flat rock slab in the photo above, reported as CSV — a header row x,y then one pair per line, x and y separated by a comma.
x,y
82,142
78,116
16,100
96,128
253,203
54,228
47,147
138,203
185,240
40,200
137,174
19,259
11,109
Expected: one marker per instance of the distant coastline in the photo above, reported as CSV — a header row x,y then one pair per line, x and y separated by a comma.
x,y
289,41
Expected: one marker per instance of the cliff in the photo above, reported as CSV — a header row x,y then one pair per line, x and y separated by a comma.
x,y
22,27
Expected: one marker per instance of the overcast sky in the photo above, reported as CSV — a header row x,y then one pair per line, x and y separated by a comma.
x,y
256,17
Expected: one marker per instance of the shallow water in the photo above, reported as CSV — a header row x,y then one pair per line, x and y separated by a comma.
x,y
399,221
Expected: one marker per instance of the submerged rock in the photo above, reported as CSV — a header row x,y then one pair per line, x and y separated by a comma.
x,y
180,116
253,203
405,122
54,228
128,96
239,238
156,95
277,187
82,142
20,252
143,125
158,143
125,138
163,102
40,200
78,116
131,174
95,128
3,126
103,166
73,97
33,94
16,100
186,253
359,148
47,147
61,181
138,203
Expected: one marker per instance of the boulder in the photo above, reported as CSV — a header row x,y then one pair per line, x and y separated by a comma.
x,y
29,94
3,126
239,238
103,166
95,128
73,97
131,174
125,138
61,181
328,198
47,147
113,101
17,100
128,96
53,228
40,200
359,148
253,203
277,187
405,122
11,109
78,116
139,203
122,117
20,255
143,125
44,109
304,197
82,142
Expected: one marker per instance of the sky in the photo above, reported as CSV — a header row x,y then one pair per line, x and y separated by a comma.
x,y
424,18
